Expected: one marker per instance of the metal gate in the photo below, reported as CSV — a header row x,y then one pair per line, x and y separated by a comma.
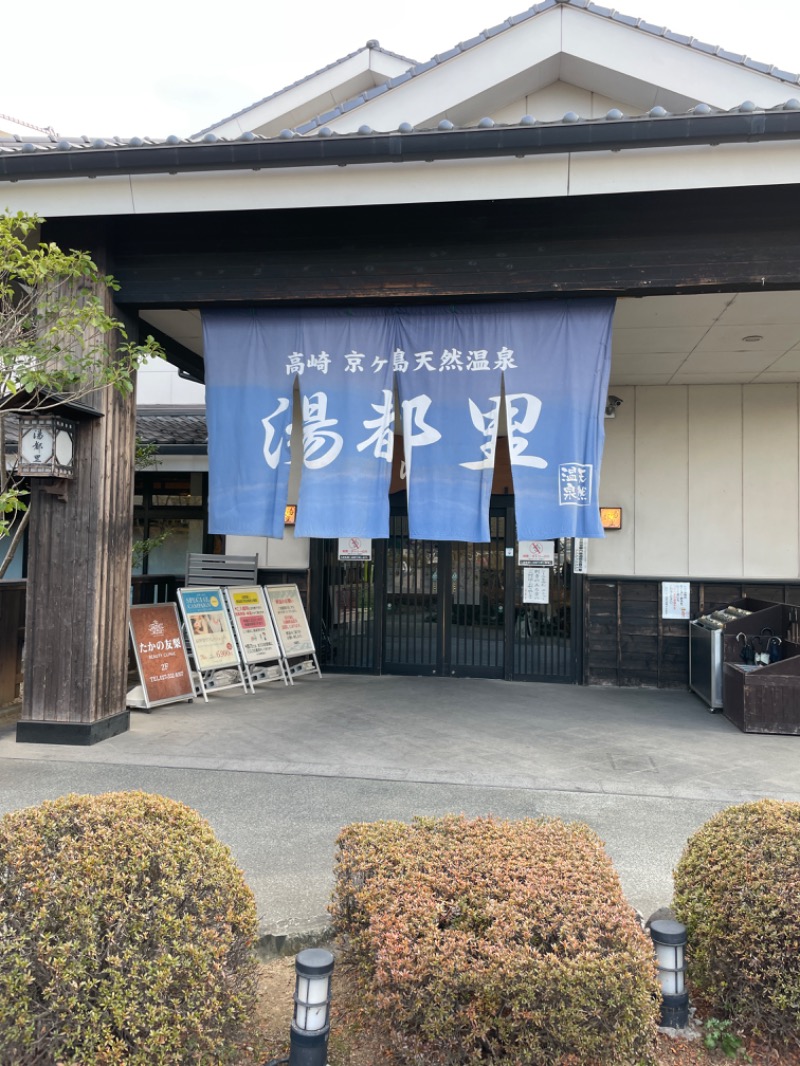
x,y
457,609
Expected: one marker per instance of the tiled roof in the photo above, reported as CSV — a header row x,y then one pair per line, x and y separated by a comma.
x,y
172,427
185,426
547,5
116,148
373,46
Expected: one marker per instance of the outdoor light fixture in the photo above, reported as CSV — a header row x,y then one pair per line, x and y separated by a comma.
x,y
46,446
611,517
308,1039
669,941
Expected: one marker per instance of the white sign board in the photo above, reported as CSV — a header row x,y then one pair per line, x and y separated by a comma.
x,y
580,557
536,585
290,620
355,549
536,553
253,624
675,599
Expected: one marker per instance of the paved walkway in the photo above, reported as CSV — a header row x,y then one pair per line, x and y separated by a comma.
x,y
279,773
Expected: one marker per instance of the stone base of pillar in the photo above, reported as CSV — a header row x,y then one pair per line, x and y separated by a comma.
x,y
79,733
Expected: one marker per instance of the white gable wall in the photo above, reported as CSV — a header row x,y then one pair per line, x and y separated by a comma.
x,y
552,103
315,94
577,47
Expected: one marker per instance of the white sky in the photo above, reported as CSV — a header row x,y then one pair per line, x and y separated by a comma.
x,y
154,67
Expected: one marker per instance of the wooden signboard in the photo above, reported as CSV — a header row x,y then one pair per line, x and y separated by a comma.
x,y
160,654
291,625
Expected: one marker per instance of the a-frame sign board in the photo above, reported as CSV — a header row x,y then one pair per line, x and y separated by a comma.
x,y
291,627
160,651
210,636
260,650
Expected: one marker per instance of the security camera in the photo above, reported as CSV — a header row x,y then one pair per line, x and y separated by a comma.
x,y
612,403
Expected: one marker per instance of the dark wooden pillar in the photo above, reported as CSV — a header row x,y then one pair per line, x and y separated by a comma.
x,y
79,552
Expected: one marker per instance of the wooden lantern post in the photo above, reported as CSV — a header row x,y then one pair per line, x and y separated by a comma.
x,y
79,552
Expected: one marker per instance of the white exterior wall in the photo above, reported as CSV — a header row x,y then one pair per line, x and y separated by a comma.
x,y
158,383
708,480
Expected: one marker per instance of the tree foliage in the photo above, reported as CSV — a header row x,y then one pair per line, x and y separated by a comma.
x,y
58,339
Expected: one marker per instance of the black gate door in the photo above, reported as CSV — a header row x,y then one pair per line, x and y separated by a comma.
x,y
546,636
452,609
445,604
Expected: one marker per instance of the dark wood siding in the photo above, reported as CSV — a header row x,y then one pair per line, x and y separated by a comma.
x,y
627,642
629,244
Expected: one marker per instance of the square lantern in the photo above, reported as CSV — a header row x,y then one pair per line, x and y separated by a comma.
x,y
46,446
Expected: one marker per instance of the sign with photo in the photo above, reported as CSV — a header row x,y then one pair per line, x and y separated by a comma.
x,y
209,629
536,553
253,624
536,585
290,620
160,654
355,549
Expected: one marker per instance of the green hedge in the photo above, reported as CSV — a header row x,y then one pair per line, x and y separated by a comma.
x,y
125,935
737,890
486,940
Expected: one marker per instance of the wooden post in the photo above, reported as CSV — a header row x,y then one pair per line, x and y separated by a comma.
x,y
79,552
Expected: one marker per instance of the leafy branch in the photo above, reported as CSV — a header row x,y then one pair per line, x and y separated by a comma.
x,y
58,340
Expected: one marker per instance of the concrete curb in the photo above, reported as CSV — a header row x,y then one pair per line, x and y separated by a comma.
x,y
288,938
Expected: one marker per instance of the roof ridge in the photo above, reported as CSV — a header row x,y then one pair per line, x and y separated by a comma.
x,y
371,45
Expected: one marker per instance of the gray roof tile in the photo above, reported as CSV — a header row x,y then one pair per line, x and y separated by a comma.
x,y
732,57
762,68
597,9
678,38
651,27
172,425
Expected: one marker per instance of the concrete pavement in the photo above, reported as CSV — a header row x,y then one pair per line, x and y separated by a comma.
x,y
279,773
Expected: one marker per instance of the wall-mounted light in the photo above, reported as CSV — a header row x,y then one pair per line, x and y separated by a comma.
x,y
290,514
46,446
611,517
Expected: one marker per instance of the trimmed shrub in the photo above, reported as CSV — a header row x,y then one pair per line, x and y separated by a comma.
x,y
125,935
737,891
491,940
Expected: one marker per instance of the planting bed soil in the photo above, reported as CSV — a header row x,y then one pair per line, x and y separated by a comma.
x,y
353,1043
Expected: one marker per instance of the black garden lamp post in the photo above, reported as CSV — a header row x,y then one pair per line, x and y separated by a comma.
x,y
669,941
308,1039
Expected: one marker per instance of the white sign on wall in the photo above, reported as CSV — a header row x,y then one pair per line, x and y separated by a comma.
x,y
675,599
358,549
536,553
536,585
580,558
